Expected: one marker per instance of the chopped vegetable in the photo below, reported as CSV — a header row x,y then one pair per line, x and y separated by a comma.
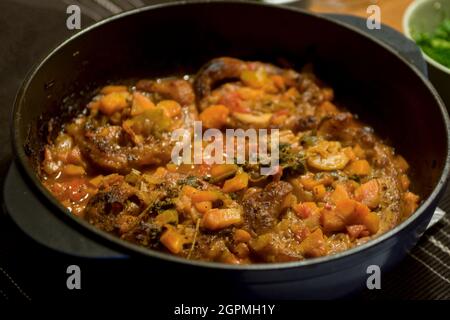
x,y
207,195
239,182
436,44
255,79
140,104
339,193
167,217
222,171
214,116
172,240
240,235
171,108
112,88
359,168
410,203
114,101
216,219
203,206
369,193
314,245
306,209
73,170
327,156
291,160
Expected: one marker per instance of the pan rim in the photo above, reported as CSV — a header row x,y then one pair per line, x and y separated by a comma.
x,y
114,241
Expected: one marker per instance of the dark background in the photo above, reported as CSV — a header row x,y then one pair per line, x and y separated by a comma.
x,y
29,271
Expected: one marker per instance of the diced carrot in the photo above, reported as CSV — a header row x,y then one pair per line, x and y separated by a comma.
x,y
172,240
306,209
401,163
345,208
301,234
73,170
255,79
229,258
359,212
141,104
97,180
404,182
372,222
291,93
241,250
94,105
279,117
247,93
205,195
309,182
319,191
349,212
157,177
328,93
410,203
363,215
359,152
261,242
314,245
239,182
326,108
113,88
171,167
222,171
355,231
171,108
240,235
332,221
214,116
278,81
216,219
166,217
369,193
359,168
339,193
349,153
203,206
113,102
189,191
289,201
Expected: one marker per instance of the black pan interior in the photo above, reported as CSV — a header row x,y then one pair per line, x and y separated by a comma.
x,y
370,80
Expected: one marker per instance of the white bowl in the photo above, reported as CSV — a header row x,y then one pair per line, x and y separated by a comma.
x,y
425,16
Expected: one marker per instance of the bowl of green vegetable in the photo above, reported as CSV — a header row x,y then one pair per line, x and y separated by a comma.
x,y
427,22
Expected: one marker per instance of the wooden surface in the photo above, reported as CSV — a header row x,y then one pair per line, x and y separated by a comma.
x,y
391,10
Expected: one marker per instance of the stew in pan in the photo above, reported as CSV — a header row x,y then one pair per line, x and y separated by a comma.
x,y
336,184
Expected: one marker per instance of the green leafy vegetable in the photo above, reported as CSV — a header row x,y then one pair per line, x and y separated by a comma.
x,y
292,160
437,43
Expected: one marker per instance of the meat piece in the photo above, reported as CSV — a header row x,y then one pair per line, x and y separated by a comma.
x,y
109,148
213,72
176,89
104,208
263,208
339,127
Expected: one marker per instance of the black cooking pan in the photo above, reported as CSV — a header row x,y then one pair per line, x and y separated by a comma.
x,y
369,78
